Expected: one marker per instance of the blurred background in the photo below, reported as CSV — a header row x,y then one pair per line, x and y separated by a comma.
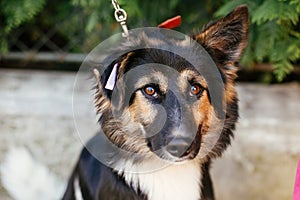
x,y
43,43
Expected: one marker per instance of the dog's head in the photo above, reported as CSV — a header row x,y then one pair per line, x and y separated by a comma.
x,y
154,101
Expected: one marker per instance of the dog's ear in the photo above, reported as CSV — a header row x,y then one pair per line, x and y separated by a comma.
x,y
226,39
102,103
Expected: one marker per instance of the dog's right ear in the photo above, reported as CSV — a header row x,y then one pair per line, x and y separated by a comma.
x,y
226,39
102,103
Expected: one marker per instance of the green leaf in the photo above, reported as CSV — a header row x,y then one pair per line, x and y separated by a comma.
x,y
3,45
266,37
286,50
173,3
92,21
228,7
296,4
281,69
275,10
19,11
293,51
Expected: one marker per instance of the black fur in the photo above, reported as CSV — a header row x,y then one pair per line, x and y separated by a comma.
x,y
207,192
99,182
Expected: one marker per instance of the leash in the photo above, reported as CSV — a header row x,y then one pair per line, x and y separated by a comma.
x,y
121,17
296,195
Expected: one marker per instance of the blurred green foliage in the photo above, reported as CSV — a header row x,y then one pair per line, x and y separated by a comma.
x,y
13,13
274,33
82,24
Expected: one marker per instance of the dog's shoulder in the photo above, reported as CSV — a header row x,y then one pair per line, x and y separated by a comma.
x,y
92,179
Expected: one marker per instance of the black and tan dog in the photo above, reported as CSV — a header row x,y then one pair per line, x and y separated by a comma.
x,y
163,116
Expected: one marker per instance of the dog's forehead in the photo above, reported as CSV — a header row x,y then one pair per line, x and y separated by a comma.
x,y
161,37
192,76
156,77
167,81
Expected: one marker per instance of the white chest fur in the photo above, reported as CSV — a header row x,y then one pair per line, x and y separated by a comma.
x,y
175,182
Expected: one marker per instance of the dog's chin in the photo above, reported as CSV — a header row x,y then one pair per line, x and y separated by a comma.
x,y
189,155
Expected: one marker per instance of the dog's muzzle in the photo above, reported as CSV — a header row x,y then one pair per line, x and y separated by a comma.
x,y
178,137
179,147
183,143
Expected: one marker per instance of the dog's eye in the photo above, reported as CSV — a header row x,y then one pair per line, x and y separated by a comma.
x,y
150,91
196,90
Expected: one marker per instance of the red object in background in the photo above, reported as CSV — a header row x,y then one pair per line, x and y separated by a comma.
x,y
171,23
296,195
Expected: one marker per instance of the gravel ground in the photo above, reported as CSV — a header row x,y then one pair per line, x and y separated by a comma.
x,y
36,112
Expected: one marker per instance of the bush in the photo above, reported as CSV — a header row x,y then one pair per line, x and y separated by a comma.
x,y
274,33
274,24
13,14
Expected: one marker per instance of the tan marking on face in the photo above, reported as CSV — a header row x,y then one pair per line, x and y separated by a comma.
x,y
201,111
211,132
125,133
142,111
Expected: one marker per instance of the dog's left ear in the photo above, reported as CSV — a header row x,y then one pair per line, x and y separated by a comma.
x,y
226,39
102,103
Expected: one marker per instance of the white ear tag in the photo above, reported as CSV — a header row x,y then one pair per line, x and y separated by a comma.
x,y
110,84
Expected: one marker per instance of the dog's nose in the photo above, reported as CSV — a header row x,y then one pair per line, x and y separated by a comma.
x,y
178,147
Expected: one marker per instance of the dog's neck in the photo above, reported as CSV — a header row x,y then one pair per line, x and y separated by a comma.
x,y
176,181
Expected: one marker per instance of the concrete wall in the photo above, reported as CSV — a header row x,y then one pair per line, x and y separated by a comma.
x,y
36,112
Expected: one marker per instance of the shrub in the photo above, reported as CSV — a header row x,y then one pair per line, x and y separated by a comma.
x,y
13,14
274,24
274,33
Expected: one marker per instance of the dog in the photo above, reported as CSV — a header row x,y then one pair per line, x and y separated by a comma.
x,y
163,121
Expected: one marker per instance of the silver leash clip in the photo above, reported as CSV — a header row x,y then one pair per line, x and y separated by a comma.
x,y
121,17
